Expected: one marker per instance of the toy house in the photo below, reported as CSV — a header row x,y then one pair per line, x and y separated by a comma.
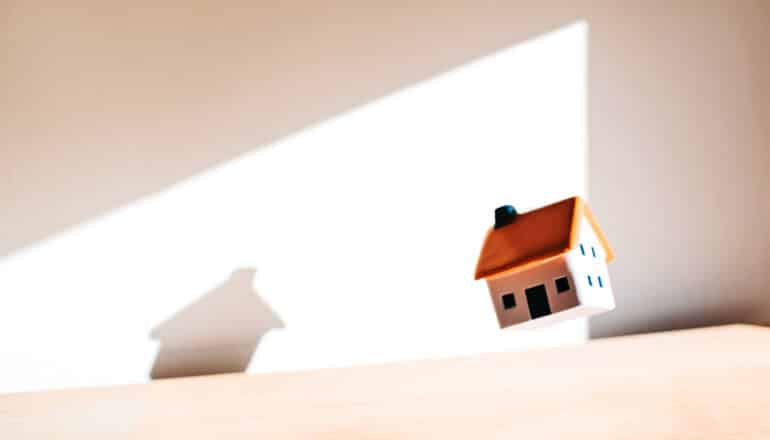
x,y
546,265
218,333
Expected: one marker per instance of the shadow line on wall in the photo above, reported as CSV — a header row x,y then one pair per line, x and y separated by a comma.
x,y
195,92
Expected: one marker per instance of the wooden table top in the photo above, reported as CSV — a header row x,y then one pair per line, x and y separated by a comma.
x,y
711,383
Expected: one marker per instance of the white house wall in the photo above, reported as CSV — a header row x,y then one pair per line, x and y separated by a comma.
x,y
518,282
586,265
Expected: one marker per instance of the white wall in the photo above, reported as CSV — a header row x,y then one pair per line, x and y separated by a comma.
x,y
364,230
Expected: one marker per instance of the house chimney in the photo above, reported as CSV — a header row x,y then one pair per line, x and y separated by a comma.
x,y
504,215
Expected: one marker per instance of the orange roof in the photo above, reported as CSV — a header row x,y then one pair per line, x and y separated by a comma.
x,y
536,236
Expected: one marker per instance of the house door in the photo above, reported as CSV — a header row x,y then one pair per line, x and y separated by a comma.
x,y
537,299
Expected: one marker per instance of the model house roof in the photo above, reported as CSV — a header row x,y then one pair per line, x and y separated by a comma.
x,y
519,241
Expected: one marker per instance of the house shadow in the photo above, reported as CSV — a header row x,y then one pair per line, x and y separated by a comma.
x,y
218,333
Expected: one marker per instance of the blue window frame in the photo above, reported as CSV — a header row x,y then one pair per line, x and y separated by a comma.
x,y
599,278
593,251
582,249
590,282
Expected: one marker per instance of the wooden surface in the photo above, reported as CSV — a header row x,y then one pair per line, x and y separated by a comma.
x,y
696,384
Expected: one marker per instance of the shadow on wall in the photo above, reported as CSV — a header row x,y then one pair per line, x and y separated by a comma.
x,y
216,334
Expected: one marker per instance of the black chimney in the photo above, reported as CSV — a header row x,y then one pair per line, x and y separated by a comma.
x,y
504,215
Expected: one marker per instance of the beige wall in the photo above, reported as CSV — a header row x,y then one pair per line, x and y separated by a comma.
x,y
104,103
679,161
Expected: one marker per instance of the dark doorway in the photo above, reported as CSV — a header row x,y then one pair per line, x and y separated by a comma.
x,y
537,298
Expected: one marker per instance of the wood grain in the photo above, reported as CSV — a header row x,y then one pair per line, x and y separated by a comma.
x,y
709,383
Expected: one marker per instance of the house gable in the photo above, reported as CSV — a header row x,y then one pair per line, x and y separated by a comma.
x,y
588,265
585,225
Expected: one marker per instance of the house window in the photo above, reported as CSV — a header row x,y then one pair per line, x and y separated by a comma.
x,y
509,301
599,279
562,284
593,251
590,282
582,249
